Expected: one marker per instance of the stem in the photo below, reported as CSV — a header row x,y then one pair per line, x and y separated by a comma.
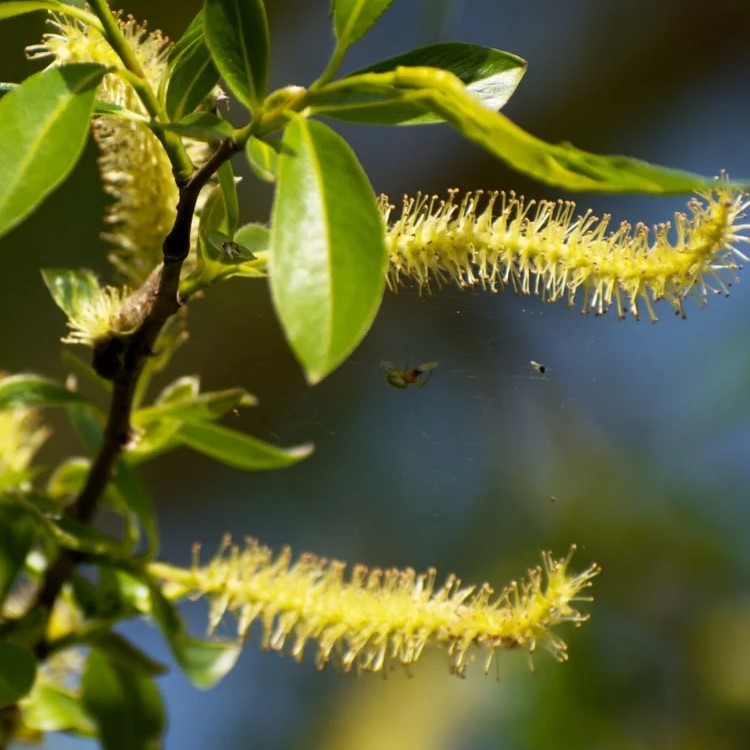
x,y
157,301
333,65
181,164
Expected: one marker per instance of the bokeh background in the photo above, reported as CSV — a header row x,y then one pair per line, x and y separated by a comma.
x,y
640,433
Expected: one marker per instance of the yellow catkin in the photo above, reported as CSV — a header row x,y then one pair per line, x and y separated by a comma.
x,y
134,166
545,248
371,617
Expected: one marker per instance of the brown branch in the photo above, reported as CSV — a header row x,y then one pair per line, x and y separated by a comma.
x,y
121,359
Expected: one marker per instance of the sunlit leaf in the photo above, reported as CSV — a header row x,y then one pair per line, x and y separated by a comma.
x,y
53,708
262,158
490,75
44,125
328,259
11,8
192,74
27,390
237,449
353,18
236,32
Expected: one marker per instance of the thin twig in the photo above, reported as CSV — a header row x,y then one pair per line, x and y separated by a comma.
x,y
122,358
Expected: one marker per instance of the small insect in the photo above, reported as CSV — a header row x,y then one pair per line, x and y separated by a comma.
x,y
409,376
539,367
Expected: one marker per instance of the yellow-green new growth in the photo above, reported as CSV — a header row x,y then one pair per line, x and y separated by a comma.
x,y
21,436
372,617
134,166
544,248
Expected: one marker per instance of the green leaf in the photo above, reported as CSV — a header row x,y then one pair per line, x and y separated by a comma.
x,y
27,390
202,408
139,502
17,534
53,708
124,702
11,8
17,674
239,450
328,258
121,650
561,165
44,124
204,662
490,75
353,18
262,157
255,237
237,34
202,126
70,288
228,186
192,74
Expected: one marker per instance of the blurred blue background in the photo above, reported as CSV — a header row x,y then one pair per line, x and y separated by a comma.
x,y
640,432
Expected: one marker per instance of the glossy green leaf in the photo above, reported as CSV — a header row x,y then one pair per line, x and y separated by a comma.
x,y
204,662
123,701
11,8
328,258
139,502
17,534
53,708
17,673
561,165
490,75
81,537
201,408
239,450
228,186
120,649
192,74
353,18
202,126
263,159
236,33
255,237
44,125
70,288
27,390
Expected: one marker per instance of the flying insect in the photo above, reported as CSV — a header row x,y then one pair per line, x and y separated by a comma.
x,y
418,376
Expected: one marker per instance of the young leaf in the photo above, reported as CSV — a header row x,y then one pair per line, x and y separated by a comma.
x,y
123,701
491,75
561,165
202,126
12,8
43,129
353,18
28,390
17,673
237,449
328,259
237,34
52,708
200,408
17,533
70,288
204,662
192,75
263,158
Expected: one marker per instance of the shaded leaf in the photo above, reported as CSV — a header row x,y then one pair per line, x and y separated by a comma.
x,y
17,534
17,673
123,701
204,662
328,258
262,157
44,124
